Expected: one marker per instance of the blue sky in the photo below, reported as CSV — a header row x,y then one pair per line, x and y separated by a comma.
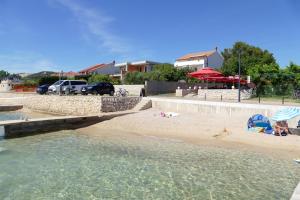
x,y
38,35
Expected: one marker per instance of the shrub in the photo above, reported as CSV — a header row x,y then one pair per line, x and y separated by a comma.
x,y
161,72
30,83
135,78
48,80
95,78
82,77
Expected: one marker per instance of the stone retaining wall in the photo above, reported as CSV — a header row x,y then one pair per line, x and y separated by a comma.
x,y
70,105
218,108
227,94
225,109
73,105
113,104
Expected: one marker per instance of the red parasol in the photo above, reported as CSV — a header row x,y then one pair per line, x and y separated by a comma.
x,y
205,72
211,75
223,79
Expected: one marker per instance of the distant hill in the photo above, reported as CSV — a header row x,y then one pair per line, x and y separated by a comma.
x,y
41,74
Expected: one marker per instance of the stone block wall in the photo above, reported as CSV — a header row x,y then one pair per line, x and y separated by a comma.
x,y
73,105
184,92
113,104
69,105
133,90
227,94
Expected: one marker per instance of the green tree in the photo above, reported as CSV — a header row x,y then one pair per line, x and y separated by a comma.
x,y
284,82
48,80
3,74
295,70
30,82
251,56
135,78
182,74
262,76
167,71
161,72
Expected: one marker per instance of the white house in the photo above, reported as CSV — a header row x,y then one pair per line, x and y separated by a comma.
x,y
200,60
6,85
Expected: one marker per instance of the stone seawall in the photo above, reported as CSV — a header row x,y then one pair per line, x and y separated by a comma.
x,y
113,104
69,105
73,105
21,128
5,108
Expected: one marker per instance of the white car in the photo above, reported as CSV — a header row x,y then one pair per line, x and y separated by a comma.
x,y
67,86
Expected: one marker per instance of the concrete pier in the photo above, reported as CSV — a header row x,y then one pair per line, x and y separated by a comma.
x,y
6,108
21,128
296,194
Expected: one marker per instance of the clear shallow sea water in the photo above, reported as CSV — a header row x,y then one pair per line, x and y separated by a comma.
x,y
11,116
70,165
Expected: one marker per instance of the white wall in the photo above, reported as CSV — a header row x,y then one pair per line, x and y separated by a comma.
x,y
133,90
215,60
190,63
5,86
109,69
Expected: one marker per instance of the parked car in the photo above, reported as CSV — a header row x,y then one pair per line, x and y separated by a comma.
x,y
98,88
42,89
67,87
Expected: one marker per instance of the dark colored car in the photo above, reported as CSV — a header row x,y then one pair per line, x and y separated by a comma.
x,y
99,88
42,89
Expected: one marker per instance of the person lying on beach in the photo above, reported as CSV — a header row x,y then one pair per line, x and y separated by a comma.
x,y
281,128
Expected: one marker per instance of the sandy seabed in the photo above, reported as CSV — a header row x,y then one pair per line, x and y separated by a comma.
x,y
197,128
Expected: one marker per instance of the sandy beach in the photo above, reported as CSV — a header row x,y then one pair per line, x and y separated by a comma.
x,y
198,128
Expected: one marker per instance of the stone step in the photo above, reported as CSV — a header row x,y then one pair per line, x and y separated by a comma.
x,y
296,194
10,107
22,128
143,105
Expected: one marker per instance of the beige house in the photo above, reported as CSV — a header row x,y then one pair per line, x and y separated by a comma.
x,y
136,66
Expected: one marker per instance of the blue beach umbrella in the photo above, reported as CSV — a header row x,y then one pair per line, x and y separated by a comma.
x,y
286,114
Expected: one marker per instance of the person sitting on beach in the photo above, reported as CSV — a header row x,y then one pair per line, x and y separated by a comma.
x,y
281,128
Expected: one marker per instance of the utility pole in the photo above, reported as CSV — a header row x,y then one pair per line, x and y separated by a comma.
x,y
60,77
239,84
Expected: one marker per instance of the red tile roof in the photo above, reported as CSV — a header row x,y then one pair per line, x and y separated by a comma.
x,y
92,68
70,74
196,55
